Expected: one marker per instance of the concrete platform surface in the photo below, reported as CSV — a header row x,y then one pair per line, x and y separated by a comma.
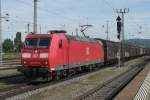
x,y
131,90
144,91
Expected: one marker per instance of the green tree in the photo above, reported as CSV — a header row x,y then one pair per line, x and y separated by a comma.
x,y
8,46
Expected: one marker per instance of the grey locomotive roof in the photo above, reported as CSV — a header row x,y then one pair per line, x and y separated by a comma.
x,y
80,38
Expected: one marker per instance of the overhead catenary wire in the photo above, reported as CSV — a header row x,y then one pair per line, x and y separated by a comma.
x,y
109,5
138,23
68,19
57,13
47,10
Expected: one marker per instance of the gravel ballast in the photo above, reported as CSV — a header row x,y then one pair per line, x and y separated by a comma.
x,y
69,89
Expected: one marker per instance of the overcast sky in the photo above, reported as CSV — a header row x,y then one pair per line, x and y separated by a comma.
x,y
69,14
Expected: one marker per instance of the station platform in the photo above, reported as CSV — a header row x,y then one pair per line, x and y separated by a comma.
x,y
138,88
144,91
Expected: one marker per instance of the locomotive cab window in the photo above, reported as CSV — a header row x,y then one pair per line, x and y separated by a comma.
x,y
31,43
37,43
44,43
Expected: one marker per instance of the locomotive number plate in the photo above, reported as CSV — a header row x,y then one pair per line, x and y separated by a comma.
x,y
35,55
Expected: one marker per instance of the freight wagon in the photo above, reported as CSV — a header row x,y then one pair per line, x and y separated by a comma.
x,y
111,49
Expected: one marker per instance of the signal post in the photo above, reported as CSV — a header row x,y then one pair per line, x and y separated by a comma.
x,y
120,35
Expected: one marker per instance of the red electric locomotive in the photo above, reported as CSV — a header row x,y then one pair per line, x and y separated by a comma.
x,y
57,53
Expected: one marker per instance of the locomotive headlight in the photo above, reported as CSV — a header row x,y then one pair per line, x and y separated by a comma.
x,y
26,55
43,55
24,62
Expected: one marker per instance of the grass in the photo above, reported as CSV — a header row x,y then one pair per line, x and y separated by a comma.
x,y
104,74
8,72
3,73
11,55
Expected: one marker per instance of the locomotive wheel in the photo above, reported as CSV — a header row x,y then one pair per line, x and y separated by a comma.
x,y
56,75
48,77
71,72
28,74
90,68
64,73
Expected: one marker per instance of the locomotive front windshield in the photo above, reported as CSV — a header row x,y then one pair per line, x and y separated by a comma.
x,y
37,43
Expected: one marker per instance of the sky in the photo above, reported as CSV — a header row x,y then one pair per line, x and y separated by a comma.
x,y
71,14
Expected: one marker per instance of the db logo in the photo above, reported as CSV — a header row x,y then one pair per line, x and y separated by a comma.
x,y
87,51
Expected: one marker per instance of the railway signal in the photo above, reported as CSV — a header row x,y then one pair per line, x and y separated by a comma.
x,y
120,29
18,42
118,26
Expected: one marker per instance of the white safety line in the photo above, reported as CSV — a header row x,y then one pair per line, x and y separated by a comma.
x,y
144,89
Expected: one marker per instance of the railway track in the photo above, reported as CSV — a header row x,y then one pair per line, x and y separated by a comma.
x,y
20,88
27,86
10,76
14,58
10,61
110,88
18,82
10,64
7,67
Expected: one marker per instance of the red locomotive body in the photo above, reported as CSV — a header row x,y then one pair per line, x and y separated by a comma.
x,y
35,51
48,53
